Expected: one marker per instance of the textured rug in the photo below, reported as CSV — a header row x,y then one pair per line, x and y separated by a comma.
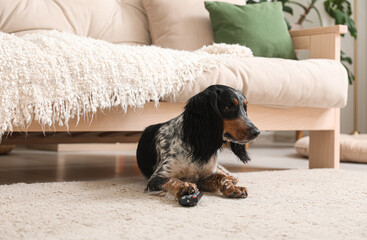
x,y
290,204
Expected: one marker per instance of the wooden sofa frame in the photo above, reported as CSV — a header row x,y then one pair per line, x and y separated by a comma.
x,y
323,124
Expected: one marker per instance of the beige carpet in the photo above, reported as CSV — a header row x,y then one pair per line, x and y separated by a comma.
x,y
291,204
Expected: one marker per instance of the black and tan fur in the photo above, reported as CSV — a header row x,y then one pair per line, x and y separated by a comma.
x,y
180,156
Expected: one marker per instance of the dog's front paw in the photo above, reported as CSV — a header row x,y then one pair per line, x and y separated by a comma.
x,y
233,191
186,188
234,180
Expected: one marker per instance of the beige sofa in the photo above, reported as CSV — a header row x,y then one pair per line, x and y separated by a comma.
x,y
283,94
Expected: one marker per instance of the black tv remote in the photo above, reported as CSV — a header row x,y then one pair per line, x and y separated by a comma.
x,y
190,200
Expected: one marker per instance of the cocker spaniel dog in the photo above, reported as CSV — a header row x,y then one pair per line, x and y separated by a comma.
x,y
180,156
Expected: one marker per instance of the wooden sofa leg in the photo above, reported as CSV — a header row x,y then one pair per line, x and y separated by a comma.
x,y
299,134
324,149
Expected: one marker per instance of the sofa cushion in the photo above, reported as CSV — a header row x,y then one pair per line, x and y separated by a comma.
x,y
261,27
278,82
179,24
117,21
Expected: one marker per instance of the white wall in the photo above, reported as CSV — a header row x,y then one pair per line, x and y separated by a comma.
x,y
348,47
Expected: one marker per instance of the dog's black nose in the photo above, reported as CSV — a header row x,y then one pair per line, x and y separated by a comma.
x,y
254,132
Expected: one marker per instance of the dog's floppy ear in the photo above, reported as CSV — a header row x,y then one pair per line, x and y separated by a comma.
x,y
240,151
203,125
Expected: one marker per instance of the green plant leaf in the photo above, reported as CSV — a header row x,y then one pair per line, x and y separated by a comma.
x,y
342,18
346,59
318,15
351,27
288,9
351,77
288,24
341,11
339,17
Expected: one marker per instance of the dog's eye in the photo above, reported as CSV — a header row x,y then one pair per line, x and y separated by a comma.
x,y
229,107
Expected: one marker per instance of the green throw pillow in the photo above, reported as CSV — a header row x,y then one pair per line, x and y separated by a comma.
x,y
260,27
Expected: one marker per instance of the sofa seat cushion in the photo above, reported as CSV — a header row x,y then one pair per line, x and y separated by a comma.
x,y
278,82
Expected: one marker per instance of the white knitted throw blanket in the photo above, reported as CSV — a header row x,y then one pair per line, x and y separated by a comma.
x,y
52,77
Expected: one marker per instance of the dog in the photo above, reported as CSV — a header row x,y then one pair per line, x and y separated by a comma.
x,y
180,156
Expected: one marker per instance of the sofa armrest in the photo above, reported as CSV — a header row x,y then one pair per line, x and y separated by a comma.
x,y
337,29
323,42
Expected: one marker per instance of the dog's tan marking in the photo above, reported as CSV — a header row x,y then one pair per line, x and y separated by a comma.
x,y
236,127
230,190
221,170
211,184
179,188
245,102
235,102
224,183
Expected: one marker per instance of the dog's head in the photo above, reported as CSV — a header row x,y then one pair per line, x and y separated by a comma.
x,y
218,114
